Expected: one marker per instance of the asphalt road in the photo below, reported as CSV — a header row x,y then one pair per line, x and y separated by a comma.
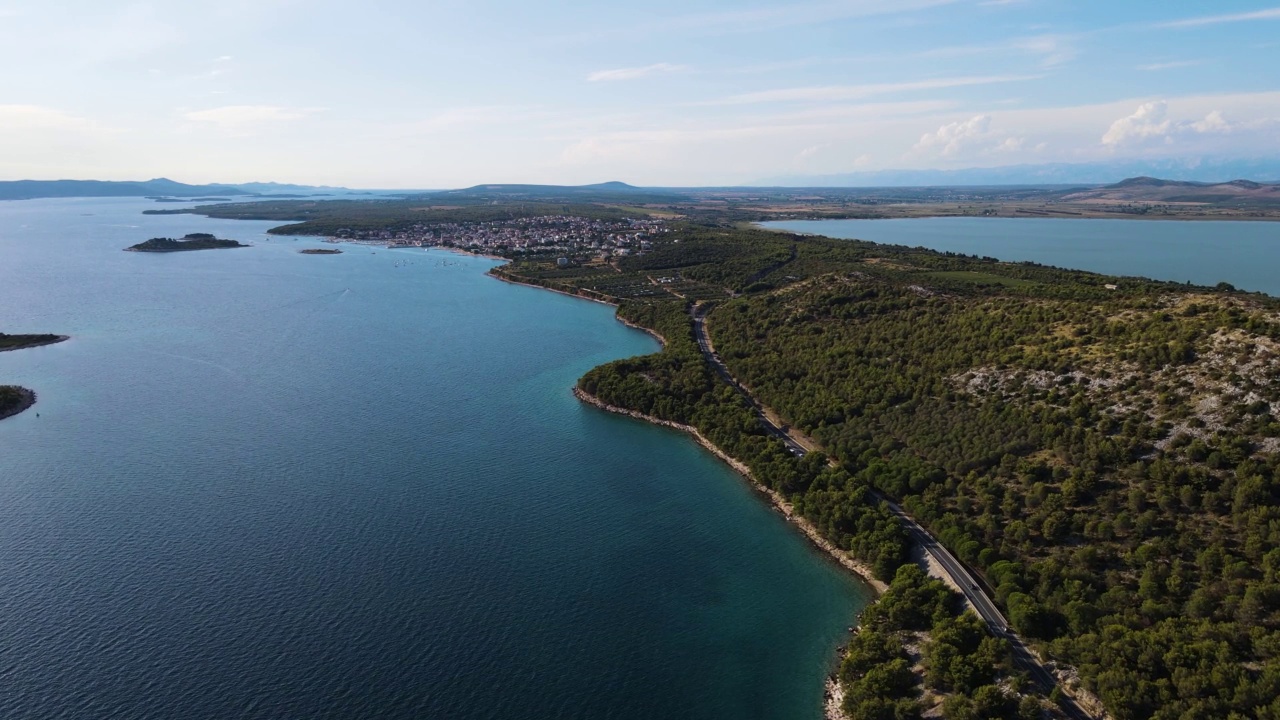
x,y
959,574
709,351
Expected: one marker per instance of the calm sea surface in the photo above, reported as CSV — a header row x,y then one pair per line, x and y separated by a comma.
x,y
1246,254
270,485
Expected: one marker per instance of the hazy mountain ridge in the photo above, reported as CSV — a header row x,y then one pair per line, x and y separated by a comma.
x,y
164,187
1206,171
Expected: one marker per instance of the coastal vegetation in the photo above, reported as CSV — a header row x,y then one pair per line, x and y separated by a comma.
x,y
320,251
192,241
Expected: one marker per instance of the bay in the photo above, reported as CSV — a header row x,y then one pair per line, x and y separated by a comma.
x,y
271,485
1243,253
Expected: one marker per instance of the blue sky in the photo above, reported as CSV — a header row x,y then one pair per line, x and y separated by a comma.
x,y
449,93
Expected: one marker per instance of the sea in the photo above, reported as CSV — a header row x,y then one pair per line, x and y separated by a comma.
x,y
1204,252
261,484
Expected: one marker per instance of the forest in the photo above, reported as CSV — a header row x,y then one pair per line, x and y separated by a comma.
x,y
1101,452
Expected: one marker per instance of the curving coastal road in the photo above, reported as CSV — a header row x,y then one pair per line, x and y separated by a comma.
x,y
959,574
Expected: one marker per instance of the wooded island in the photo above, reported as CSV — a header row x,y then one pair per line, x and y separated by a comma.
x,y
191,241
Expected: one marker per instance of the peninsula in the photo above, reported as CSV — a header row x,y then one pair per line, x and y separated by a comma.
x,y
21,342
192,241
1046,438
1069,482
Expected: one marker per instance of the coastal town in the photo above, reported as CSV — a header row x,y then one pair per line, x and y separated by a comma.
x,y
565,235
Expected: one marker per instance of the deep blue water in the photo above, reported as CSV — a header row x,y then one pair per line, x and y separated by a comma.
x,y
1245,254
269,485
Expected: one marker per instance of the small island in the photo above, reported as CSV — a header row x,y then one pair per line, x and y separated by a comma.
x,y
14,399
192,241
321,251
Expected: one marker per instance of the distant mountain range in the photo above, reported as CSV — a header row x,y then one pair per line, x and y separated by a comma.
x,y
159,187
612,186
1076,182
1211,171
29,189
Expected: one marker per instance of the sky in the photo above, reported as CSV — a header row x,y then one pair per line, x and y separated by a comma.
x,y
451,93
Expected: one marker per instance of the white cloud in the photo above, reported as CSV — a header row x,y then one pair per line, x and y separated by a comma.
x,y
842,112
1151,123
1053,49
1269,14
1154,67
246,119
968,139
1013,144
951,138
634,73
793,14
1212,123
1148,121
857,92
31,134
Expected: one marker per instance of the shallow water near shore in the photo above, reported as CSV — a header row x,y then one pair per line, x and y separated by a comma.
x,y
264,484
1204,252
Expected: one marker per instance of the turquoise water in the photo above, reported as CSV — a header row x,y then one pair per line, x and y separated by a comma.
x,y
270,485
1245,254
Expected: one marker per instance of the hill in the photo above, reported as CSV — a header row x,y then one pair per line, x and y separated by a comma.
x,y
1156,190
615,191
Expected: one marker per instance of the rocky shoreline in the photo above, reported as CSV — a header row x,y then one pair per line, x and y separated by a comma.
x,y
513,281
779,503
